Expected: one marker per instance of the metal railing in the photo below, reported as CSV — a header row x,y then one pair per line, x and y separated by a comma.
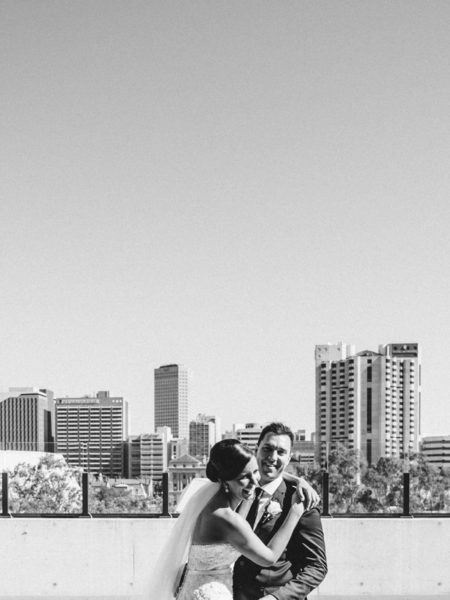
x,y
326,506
85,508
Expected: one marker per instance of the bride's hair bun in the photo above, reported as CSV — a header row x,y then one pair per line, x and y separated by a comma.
x,y
211,472
227,460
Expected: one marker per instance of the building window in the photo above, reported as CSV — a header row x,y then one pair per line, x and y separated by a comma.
x,y
369,451
369,410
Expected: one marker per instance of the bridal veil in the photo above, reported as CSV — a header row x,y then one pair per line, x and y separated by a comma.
x,y
169,565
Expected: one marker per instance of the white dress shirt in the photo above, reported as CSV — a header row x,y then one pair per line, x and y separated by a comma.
x,y
268,491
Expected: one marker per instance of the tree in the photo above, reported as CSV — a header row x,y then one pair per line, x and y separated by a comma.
x,y
344,467
50,486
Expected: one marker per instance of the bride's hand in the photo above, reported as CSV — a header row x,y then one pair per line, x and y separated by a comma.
x,y
305,492
297,505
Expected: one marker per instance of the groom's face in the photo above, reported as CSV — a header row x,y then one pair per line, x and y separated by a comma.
x,y
273,455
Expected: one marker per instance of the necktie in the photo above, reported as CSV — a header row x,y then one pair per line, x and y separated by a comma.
x,y
251,516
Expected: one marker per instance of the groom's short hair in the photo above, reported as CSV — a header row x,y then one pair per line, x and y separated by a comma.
x,y
277,429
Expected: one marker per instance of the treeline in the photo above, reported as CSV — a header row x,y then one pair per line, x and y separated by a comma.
x,y
52,486
355,487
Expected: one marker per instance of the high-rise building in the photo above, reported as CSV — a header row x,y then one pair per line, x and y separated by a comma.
x,y
436,450
171,399
90,432
204,432
27,420
368,401
148,454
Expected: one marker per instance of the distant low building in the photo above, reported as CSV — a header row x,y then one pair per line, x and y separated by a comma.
x,y
249,434
147,454
178,447
137,487
183,470
204,432
436,450
304,452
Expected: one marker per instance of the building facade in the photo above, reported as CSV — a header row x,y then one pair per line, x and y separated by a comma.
x,y
203,434
172,399
178,447
249,434
90,432
27,420
148,454
182,471
436,450
368,401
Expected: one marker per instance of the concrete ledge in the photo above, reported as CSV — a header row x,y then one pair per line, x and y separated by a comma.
x,y
99,559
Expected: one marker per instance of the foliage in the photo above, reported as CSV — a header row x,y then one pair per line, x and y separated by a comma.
x,y
355,487
48,487
104,499
52,486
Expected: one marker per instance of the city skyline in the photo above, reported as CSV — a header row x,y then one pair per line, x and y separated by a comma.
x,y
174,382
222,186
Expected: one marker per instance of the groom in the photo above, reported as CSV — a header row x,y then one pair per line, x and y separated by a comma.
x,y
302,565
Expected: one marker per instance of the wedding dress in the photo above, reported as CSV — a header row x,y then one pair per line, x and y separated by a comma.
x,y
209,572
208,575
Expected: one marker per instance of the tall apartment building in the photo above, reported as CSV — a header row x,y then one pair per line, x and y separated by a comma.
x,y
368,401
148,454
90,432
436,450
204,432
27,420
172,399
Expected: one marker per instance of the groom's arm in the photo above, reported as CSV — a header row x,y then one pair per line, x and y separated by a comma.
x,y
309,541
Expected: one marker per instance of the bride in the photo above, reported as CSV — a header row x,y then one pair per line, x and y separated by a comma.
x,y
212,532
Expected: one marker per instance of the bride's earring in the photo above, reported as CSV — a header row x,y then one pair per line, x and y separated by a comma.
x,y
226,489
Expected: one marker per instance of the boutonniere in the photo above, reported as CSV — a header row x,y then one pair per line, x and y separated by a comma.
x,y
272,510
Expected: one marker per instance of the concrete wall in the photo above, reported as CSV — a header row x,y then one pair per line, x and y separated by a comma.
x,y
111,558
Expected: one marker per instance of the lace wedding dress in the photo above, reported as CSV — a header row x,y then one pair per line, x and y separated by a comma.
x,y
209,573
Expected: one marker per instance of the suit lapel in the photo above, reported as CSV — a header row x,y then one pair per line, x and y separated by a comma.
x,y
267,524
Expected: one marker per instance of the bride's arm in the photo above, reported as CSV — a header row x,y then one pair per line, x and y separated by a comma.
x,y
305,491
237,532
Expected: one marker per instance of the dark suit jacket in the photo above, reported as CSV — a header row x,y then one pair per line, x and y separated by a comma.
x,y
300,568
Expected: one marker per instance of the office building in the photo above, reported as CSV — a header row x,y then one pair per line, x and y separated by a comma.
x,y
148,454
90,432
436,450
178,447
27,420
249,434
303,450
204,432
368,401
172,399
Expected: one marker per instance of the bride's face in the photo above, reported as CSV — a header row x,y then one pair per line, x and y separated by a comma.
x,y
243,486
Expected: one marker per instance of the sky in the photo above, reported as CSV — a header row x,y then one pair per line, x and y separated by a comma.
x,y
222,185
